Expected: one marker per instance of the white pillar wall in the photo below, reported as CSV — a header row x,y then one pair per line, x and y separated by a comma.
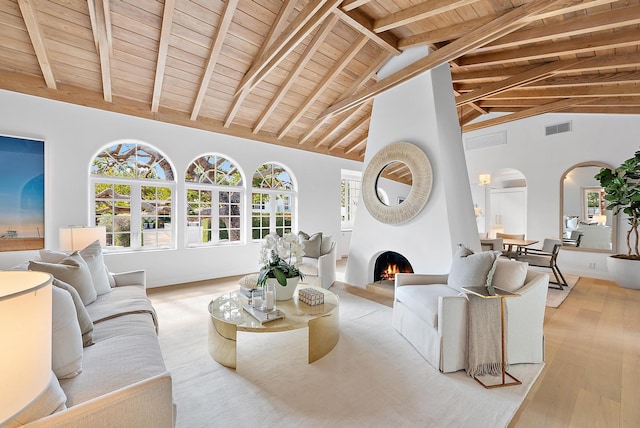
x,y
420,111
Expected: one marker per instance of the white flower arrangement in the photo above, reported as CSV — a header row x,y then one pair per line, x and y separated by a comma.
x,y
280,257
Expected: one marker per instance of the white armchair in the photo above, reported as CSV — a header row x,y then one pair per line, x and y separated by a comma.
x,y
321,270
433,317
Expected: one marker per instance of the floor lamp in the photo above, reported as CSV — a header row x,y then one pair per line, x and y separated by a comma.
x,y
25,335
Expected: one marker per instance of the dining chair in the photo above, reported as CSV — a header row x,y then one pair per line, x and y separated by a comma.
x,y
574,239
491,244
508,251
545,257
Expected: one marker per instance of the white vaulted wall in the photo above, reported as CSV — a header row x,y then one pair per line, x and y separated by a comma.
x,y
73,135
420,111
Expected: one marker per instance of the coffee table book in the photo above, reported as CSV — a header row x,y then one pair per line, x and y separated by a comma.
x,y
263,317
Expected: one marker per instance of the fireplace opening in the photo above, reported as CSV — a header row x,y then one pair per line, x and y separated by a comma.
x,y
388,264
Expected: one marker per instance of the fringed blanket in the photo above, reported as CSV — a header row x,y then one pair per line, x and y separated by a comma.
x,y
485,337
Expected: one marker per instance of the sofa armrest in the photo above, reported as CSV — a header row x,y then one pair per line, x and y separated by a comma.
x,y
148,403
419,279
135,277
452,315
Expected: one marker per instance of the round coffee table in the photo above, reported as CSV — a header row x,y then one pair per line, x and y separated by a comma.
x,y
228,317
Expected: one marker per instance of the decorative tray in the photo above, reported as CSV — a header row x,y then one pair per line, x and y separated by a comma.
x,y
263,317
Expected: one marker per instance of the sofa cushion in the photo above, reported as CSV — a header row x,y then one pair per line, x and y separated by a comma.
x,y
312,245
423,300
122,300
84,320
66,339
509,274
126,351
52,400
472,270
74,271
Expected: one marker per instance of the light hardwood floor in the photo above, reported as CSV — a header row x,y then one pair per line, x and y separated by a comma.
x,y
592,373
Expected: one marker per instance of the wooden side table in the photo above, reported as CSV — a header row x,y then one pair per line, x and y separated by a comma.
x,y
499,294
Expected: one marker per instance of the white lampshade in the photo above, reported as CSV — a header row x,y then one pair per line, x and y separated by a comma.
x,y
74,238
25,335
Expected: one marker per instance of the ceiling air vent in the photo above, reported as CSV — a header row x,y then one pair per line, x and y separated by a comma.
x,y
558,128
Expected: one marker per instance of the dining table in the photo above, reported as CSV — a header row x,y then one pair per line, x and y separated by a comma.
x,y
510,243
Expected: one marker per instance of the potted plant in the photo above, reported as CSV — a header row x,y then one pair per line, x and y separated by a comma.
x,y
622,192
280,257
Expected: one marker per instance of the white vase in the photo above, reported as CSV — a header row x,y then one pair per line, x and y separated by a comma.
x,y
624,272
284,293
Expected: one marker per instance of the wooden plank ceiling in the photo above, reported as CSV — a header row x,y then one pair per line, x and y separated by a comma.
x,y
301,73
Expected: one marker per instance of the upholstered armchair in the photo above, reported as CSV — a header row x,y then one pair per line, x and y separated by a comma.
x,y
432,315
319,263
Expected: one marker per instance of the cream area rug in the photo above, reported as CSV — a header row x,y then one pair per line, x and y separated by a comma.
x,y
555,297
373,377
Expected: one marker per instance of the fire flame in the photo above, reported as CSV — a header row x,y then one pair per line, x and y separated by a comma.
x,y
390,272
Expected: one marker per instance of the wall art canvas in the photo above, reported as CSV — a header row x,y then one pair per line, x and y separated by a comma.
x,y
21,194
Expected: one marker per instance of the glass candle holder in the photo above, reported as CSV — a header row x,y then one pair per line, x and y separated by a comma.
x,y
256,298
269,298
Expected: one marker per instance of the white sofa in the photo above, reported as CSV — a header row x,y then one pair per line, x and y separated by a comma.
x,y
432,316
123,380
319,267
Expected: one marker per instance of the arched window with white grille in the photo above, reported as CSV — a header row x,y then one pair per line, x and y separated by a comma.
x,y
273,200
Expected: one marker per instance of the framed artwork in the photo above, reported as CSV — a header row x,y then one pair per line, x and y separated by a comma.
x,y
21,194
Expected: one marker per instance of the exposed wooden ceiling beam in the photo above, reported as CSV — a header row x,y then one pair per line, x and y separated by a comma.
x,y
417,13
359,22
304,59
163,49
326,81
305,22
508,22
588,80
536,73
470,115
597,63
102,33
545,108
348,5
618,39
33,28
218,39
578,91
609,20
274,31
457,30
344,134
355,144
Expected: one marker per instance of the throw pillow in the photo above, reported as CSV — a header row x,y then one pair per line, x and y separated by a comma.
x,y
66,339
509,274
52,400
92,254
74,271
325,247
303,236
84,320
472,270
312,246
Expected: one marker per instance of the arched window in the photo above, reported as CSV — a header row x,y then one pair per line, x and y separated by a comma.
x,y
214,189
273,201
133,187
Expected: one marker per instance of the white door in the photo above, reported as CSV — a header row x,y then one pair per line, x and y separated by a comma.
x,y
509,209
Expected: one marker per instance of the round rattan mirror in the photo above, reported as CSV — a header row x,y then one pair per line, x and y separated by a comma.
x,y
420,189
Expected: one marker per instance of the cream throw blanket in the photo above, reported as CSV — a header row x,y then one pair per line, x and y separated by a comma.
x,y
485,337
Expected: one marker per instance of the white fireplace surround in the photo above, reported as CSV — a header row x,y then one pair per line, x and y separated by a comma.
x,y
422,112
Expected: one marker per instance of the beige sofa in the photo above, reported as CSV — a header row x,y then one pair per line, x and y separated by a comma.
x,y
432,316
123,380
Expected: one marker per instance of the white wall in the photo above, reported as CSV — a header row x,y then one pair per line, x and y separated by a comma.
x,y
543,159
73,135
420,111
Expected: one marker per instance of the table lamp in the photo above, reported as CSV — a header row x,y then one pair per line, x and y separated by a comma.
x,y
25,335
74,238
